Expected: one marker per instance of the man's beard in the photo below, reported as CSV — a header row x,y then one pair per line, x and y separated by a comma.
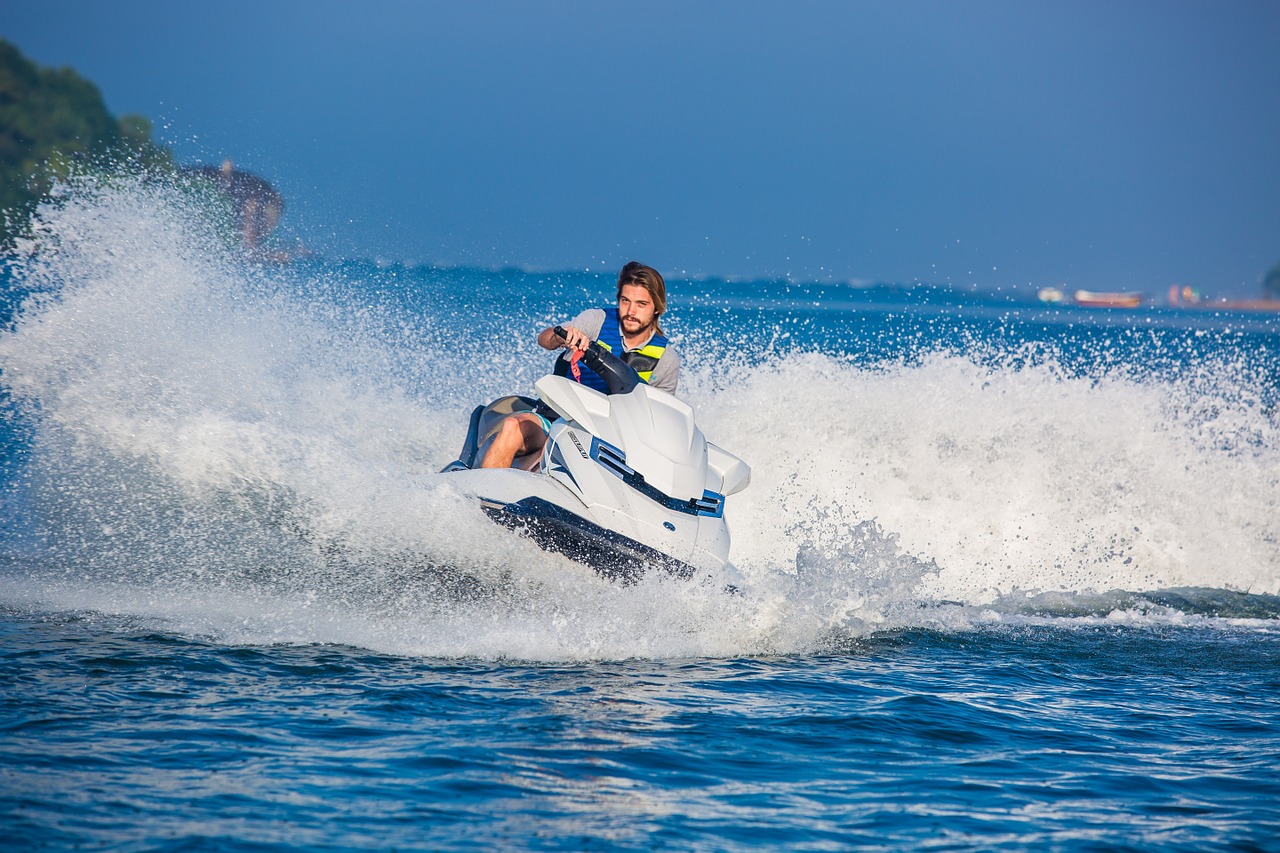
x,y
636,324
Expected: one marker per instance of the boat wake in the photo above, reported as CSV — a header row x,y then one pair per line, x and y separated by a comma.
x,y
248,454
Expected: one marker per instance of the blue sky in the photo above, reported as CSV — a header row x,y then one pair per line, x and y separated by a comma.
x,y
1105,145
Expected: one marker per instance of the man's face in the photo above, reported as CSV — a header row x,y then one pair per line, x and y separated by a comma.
x,y
635,309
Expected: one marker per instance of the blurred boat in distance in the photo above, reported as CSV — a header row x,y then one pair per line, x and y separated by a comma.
x,y
1092,299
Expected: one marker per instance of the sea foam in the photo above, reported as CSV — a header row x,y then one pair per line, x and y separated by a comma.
x,y
249,453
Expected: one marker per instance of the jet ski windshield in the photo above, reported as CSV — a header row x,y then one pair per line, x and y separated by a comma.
x,y
619,377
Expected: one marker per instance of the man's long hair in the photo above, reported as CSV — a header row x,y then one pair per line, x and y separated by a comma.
x,y
639,275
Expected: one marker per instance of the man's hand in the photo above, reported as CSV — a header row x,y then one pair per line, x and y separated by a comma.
x,y
575,338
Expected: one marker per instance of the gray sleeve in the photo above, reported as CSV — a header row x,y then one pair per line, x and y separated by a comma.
x,y
589,322
667,373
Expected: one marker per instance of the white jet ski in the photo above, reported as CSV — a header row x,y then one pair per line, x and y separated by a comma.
x,y
625,482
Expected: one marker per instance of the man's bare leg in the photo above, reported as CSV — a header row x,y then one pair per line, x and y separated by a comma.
x,y
520,435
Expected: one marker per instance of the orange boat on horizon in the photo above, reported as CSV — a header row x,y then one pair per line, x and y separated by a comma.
x,y
1091,299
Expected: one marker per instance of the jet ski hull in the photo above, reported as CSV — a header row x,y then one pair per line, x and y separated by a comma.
x,y
608,552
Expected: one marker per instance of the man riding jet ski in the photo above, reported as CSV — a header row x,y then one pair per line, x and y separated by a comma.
x,y
634,334
624,481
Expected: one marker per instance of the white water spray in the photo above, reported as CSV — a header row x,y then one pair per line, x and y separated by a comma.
x,y
243,453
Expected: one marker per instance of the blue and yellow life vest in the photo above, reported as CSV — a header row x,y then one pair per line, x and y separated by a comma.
x,y
642,360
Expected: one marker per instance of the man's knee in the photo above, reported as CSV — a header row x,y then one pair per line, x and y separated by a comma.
x,y
510,432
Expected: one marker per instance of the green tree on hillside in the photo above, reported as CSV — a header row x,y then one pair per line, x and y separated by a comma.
x,y
1271,284
53,121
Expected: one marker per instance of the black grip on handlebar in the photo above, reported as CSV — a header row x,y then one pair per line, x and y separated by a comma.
x,y
618,376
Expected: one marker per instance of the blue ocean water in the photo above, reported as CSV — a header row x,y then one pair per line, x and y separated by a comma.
x,y
1008,575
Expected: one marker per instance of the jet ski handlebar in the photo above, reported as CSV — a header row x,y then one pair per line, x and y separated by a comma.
x,y
619,377
561,332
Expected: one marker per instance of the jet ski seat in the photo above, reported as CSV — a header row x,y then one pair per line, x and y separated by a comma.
x,y
485,423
